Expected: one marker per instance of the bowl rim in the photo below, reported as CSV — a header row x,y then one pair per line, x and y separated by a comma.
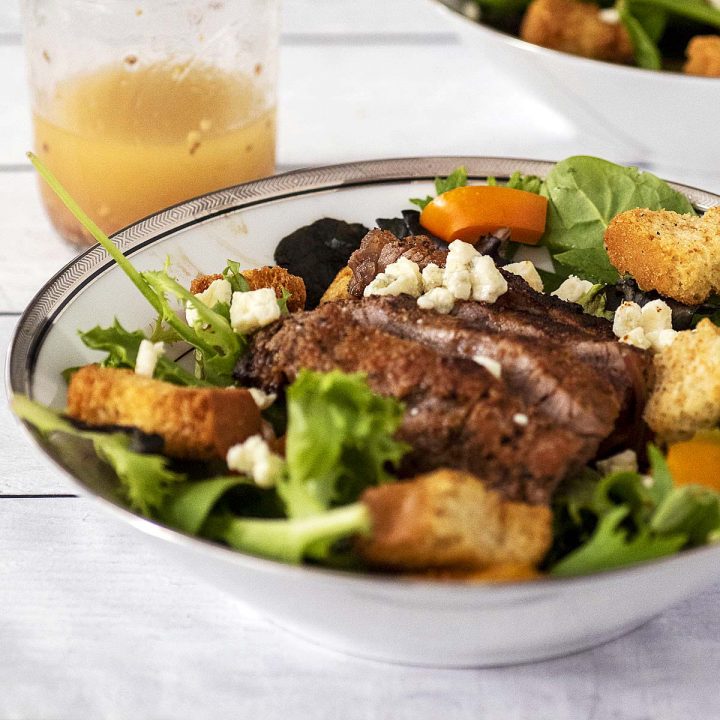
x,y
452,9
56,293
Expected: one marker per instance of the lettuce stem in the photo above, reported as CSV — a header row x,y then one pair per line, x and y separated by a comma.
x,y
289,540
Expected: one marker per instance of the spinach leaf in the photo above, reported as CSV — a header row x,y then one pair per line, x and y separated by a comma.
x,y
584,194
647,54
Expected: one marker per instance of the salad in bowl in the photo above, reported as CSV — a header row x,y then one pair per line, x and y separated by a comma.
x,y
491,388
673,35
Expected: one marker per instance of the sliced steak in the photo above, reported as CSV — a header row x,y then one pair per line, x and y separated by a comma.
x,y
545,375
380,248
457,414
525,313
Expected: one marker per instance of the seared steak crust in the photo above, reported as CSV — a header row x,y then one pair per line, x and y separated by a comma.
x,y
380,248
522,312
457,414
546,376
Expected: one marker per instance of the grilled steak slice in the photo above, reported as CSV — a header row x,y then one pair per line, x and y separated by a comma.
x,y
457,414
546,376
380,248
627,368
524,312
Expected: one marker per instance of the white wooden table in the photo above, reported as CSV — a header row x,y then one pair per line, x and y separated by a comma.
x,y
93,624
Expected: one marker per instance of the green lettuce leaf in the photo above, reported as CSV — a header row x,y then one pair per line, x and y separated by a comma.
x,y
339,441
529,183
594,300
218,344
234,276
612,546
692,510
698,10
145,480
122,347
457,178
625,517
190,506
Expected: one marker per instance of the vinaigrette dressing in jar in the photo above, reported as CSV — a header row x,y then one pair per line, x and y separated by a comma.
x,y
141,129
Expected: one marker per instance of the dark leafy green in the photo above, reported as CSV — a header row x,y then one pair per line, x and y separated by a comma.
x,y
647,53
623,518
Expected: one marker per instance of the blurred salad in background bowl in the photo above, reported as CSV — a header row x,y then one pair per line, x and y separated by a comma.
x,y
641,73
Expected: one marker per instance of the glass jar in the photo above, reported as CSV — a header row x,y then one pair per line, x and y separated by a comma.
x,y
138,105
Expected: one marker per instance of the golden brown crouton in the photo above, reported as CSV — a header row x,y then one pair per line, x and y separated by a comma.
x,y
338,289
677,255
578,28
274,276
686,397
703,56
193,422
448,519
500,572
202,282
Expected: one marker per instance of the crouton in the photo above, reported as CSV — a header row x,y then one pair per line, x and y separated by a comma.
x,y
686,397
703,56
338,289
198,423
448,519
274,276
202,282
500,572
576,27
677,255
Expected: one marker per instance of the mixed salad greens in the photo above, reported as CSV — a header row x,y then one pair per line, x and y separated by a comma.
x,y
339,435
658,29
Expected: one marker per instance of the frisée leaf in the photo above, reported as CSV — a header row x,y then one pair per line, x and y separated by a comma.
x,y
339,441
146,480
122,347
625,517
457,178
612,546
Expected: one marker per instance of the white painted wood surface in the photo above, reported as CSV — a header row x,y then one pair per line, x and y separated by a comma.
x,y
94,624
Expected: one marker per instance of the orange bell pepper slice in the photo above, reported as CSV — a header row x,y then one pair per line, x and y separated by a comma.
x,y
467,213
696,461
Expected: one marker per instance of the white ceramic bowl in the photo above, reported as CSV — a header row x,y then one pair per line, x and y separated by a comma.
x,y
656,117
398,620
